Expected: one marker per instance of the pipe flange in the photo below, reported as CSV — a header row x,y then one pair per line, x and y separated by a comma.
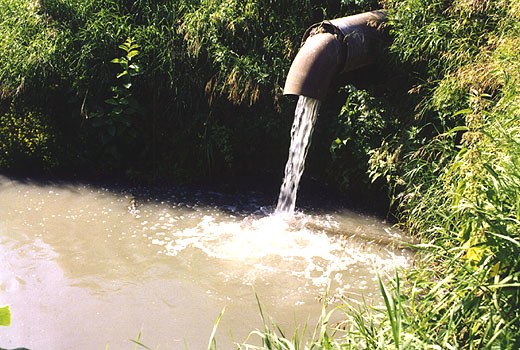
x,y
323,27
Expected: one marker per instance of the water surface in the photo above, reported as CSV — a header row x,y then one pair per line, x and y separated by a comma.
x,y
86,266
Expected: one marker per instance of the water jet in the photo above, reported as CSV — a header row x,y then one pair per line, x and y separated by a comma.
x,y
329,48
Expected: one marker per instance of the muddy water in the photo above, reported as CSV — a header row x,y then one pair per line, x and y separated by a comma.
x,y
83,267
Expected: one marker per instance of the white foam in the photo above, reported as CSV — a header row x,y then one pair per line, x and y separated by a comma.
x,y
282,244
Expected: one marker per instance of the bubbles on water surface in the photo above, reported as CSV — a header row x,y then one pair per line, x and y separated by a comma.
x,y
311,249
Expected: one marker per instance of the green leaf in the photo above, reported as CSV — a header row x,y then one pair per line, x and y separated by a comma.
x,y
122,74
118,60
133,46
212,340
5,316
463,111
132,53
112,102
124,46
457,129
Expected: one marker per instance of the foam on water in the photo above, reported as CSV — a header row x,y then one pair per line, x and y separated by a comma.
x,y
298,245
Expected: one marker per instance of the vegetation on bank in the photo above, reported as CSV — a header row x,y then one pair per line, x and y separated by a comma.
x,y
206,103
180,90
459,189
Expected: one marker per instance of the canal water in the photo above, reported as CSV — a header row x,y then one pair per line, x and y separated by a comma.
x,y
91,267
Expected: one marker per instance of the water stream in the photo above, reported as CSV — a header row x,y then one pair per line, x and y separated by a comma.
x,y
305,115
83,267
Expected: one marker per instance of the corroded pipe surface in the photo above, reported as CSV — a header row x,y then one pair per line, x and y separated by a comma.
x,y
333,47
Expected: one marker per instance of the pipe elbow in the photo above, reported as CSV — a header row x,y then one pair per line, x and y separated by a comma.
x,y
333,47
313,68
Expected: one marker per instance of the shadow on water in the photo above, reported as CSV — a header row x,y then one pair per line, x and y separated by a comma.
x,y
250,196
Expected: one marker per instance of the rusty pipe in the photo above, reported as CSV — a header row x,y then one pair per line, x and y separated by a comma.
x,y
330,48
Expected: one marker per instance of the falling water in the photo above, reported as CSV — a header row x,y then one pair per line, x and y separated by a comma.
x,y
301,131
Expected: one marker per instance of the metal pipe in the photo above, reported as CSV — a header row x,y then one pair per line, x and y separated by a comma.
x,y
333,47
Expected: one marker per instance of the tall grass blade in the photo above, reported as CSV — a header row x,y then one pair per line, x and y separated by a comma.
x,y
212,344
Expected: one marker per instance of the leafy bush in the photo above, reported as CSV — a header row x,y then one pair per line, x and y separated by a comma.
x,y
27,141
115,125
361,126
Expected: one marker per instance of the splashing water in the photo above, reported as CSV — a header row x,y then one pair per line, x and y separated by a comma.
x,y
301,131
